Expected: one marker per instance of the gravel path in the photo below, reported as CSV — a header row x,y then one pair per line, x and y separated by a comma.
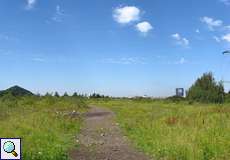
x,y
101,139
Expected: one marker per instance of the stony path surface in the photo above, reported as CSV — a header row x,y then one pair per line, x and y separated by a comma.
x,y
101,139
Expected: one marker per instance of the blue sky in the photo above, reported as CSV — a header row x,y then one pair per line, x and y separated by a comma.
x,y
114,47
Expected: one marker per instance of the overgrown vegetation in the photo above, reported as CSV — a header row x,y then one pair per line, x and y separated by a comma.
x,y
43,123
174,131
206,90
175,128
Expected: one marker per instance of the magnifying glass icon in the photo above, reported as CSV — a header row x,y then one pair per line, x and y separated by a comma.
x,y
9,147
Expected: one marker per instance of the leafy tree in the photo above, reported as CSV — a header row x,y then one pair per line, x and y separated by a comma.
x,y
207,90
48,94
75,94
56,94
96,95
65,94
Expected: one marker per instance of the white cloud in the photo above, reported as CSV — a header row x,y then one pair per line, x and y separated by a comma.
x,y
125,61
59,11
182,61
226,2
38,59
144,27
176,36
197,31
211,23
226,37
217,39
30,4
227,27
58,16
126,14
180,40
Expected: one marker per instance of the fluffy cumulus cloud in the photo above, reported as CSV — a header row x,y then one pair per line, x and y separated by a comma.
x,y
30,4
126,14
180,40
226,37
211,22
144,27
129,14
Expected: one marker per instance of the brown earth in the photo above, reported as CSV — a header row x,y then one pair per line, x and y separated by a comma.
x,y
102,139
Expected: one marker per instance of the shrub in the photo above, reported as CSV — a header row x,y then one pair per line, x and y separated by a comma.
x,y
176,99
206,90
227,98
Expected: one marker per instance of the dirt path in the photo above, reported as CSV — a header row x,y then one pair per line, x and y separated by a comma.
x,y
101,139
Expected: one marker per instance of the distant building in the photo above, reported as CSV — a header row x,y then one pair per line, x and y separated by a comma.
x,y
180,92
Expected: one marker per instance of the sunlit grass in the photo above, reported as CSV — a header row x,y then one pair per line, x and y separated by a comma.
x,y
171,131
46,130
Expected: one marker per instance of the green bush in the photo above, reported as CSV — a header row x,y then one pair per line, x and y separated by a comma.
x,y
227,98
175,99
206,90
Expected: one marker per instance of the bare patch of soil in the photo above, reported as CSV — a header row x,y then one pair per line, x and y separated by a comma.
x,y
101,139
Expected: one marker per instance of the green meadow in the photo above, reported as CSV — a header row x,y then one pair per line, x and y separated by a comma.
x,y
168,130
44,123
175,128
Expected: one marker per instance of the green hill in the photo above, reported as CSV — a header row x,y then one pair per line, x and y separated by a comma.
x,y
16,91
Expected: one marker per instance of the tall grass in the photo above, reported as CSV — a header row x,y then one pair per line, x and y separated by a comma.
x,y
43,123
175,131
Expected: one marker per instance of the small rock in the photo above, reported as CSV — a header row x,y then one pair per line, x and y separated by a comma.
x,y
101,142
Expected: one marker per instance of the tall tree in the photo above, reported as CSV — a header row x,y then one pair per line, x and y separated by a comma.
x,y
207,90
66,94
56,94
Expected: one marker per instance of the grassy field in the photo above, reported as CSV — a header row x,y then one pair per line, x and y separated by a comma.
x,y
46,129
174,131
